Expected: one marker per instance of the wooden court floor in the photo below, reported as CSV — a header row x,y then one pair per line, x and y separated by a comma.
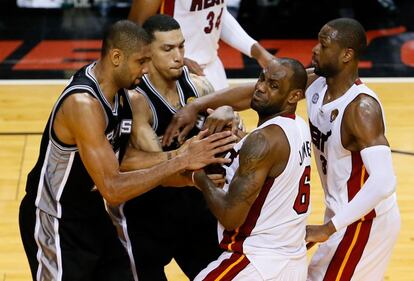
x,y
25,108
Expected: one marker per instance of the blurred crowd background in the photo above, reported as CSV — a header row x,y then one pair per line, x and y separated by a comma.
x,y
390,24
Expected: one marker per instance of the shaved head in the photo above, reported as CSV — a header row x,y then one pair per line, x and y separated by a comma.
x,y
125,35
349,34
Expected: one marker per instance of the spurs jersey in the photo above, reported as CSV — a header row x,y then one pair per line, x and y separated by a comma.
x,y
341,171
162,111
59,180
274,230
200,22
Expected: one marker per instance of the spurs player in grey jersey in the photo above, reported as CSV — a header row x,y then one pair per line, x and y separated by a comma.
x,y
65,229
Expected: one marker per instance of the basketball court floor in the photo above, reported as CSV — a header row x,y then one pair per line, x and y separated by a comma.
x,y
25,106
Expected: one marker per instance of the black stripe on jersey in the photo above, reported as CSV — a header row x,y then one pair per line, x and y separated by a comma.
x,y
57,142
189,81
155,92
88,73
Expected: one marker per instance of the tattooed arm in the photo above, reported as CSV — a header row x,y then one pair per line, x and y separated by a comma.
x,y
202,85
264,154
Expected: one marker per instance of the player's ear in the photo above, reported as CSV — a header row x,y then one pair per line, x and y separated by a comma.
x,y
296,95
115,56
348,54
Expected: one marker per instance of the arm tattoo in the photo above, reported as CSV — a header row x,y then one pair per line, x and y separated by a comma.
x,y
253,152
203,86
207,87
231,208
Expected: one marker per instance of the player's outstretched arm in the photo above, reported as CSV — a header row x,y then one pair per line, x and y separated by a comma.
x,y
100,160
238,97
144,150
234,35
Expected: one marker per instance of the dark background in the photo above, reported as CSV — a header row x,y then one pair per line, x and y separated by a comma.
x,y
289,19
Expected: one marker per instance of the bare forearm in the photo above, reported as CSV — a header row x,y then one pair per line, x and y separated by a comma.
x,y
216,200
127,185
238,97
182,178
136,159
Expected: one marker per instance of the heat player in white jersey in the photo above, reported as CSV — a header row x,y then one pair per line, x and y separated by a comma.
x,y
203,23
263,207
354,163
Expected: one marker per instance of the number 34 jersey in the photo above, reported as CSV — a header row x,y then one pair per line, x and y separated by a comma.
x,y
274,230
341,171
200,22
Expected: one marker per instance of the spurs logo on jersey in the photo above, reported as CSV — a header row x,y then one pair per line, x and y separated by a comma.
x,y
124,127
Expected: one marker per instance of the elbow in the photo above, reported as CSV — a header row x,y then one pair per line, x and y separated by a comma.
x,y
110,192
125,166
389,186
231,223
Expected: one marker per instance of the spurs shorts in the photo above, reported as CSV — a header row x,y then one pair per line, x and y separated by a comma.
x,y
358,252
72,250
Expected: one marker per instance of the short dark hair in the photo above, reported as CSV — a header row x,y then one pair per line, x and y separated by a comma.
x,y
351,34
299,77
126,36
161,23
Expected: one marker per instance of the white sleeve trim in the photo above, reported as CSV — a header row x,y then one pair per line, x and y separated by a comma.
x,y
379,186
234,35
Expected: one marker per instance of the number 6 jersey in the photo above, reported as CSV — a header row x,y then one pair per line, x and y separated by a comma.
x,y
273,233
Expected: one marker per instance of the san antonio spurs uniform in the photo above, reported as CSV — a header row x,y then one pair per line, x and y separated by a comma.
x,y
66,231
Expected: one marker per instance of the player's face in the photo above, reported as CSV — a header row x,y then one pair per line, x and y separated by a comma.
x,y
272,89
134,66
168,53
327,53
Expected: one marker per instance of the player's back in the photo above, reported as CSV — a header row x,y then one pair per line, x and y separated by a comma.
x,y
274,230
200,22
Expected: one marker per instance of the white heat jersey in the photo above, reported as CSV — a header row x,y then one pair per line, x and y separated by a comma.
x,y
274,230
200,22
341,171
